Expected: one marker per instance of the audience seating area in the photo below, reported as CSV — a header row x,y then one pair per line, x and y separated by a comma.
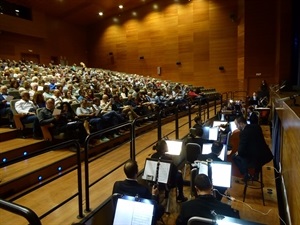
x,y
86,83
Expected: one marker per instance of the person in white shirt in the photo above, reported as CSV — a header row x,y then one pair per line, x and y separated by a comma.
x,y
27,110
57,98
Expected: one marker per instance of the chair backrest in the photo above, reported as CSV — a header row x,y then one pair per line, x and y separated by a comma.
x,y
74,106
197,220
15,94
193,150
12,106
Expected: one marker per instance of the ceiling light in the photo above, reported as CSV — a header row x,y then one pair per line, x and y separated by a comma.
x,y
100,13
120,6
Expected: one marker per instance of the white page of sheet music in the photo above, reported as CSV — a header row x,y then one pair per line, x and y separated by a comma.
x,y
134,213
150,171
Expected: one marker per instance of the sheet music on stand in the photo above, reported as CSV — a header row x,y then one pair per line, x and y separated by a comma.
x,y
134,211
220,172
174,147
202,167
150,170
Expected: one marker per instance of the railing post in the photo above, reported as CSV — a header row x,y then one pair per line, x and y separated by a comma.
x,y
79,181
200,108
207,109
190,112
159,133
86,171
176,123
215,102
132,140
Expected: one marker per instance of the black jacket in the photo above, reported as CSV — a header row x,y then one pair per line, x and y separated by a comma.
x,y
252,145
202,206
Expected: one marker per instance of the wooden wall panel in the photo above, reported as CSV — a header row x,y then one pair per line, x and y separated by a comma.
x,y
260,42
199,34
43,36
290,159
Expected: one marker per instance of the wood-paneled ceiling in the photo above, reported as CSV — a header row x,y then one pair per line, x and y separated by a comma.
x,y
82,12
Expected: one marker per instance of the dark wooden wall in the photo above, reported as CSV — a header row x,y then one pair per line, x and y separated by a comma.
x,y
45,36
246,38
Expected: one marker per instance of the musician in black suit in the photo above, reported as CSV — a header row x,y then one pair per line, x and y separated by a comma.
x,y
252,116
253,150
204,204
253,100
131,187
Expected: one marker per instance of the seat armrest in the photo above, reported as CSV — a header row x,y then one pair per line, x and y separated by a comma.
x,y
46,133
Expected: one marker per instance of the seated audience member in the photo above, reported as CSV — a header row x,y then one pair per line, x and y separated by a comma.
x,y
84,112
216,150
131,187
176,178
57,98
68,97
34,88
27,109
46,92
108,112
205,204
126,110
62,123
90,95
252,116
5,106
253,150
38,99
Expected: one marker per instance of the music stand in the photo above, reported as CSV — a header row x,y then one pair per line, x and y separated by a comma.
x,y
134,210
174,147
220,172
150,170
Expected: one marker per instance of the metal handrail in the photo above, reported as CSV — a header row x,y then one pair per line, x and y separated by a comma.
x,y
23,211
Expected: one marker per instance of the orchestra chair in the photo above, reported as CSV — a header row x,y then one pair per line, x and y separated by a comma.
x,y
251,180
193,150
197,220
233,141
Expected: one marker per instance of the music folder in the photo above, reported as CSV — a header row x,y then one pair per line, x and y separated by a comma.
x,y
220,172
134,210
150,170
174,147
